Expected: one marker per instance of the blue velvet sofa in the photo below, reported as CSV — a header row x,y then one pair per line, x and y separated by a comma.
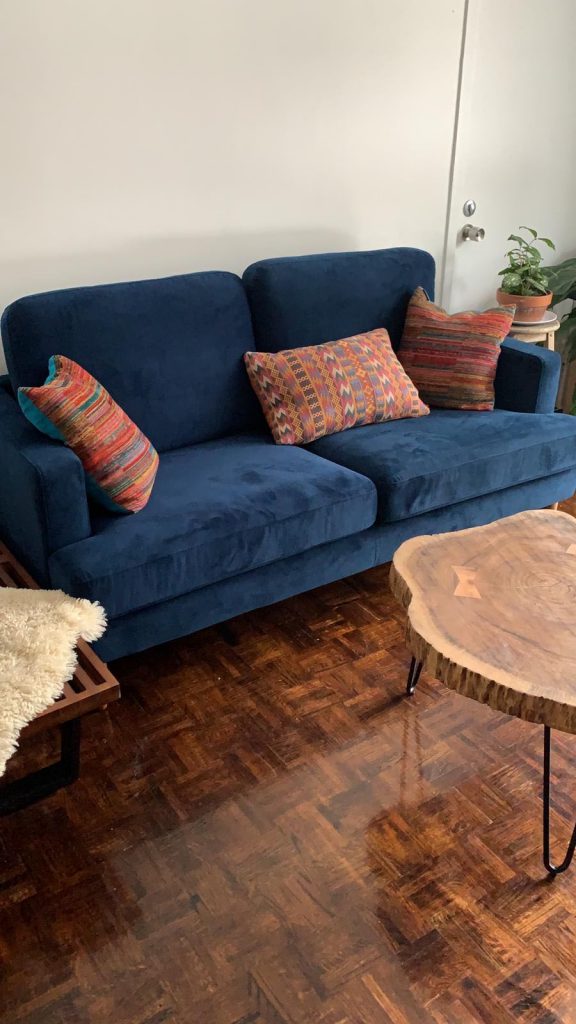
x,y
236,522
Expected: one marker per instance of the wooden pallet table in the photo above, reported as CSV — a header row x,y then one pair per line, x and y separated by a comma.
x,y
91,688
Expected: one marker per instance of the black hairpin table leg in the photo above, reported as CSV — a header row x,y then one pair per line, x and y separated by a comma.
x,y
45,781
413,676
553,869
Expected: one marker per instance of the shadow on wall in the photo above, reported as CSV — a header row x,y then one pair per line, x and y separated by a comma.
x,y
159,257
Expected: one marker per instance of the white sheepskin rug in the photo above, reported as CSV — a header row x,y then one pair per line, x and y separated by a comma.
x,y
39,630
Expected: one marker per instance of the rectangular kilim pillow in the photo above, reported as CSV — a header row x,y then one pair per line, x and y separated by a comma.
x,y
306,393
72,406
452,359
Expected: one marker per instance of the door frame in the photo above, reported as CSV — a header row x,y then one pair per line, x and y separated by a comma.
x,y
462,114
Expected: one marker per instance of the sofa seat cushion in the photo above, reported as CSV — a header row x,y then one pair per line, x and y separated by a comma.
x,y
217,509
449,456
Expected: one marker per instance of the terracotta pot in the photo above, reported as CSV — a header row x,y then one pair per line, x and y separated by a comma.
x,y
528,307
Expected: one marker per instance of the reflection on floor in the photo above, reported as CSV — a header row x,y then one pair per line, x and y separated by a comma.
x,y
267,832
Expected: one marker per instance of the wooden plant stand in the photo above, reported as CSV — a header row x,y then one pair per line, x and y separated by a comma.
x,y
537,333
92,687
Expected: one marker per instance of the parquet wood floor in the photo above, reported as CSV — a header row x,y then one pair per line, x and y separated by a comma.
x,y
266,832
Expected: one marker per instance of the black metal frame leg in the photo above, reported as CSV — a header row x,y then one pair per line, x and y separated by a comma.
x,y
553,869
25,791
413,676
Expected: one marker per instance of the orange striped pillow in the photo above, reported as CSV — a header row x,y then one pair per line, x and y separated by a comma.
x,y
452,359
71,406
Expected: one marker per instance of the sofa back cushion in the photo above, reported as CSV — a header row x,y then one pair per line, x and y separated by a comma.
x,y
169,351
306,300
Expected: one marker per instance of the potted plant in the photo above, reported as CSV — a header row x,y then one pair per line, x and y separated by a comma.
x,y
524,280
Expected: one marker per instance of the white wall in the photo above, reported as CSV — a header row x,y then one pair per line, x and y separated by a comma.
x,y
150,137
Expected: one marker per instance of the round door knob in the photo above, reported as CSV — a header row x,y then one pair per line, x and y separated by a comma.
x,y
472,234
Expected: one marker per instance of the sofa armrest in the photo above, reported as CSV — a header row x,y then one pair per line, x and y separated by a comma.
x,y
527,377
43,501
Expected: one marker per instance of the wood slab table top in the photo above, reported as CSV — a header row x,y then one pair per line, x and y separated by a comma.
x,y
492,613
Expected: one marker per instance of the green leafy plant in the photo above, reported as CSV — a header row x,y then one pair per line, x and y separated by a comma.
x,y
524,274
562,282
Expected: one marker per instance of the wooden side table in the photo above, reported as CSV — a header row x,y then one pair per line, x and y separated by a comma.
x,y
535,333
92,686
490,614
544,333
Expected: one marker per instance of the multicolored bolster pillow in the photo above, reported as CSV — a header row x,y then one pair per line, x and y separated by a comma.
x,y
71,406
306,393
452,359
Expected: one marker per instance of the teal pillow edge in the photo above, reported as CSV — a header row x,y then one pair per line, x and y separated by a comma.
x,y
37,418
32,413
99,495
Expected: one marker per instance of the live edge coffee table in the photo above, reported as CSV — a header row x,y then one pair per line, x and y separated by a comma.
x,y
492,613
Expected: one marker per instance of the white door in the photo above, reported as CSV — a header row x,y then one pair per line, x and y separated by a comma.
x,y
515,148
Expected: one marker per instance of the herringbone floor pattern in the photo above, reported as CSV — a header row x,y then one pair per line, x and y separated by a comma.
x,y
266,832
